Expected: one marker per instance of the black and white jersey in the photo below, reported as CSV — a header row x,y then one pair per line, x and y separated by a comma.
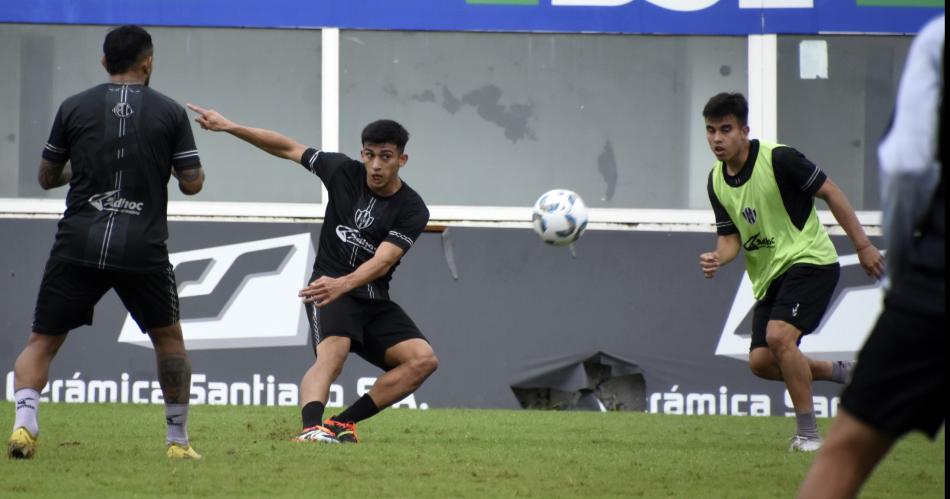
x,y
122,142
357,221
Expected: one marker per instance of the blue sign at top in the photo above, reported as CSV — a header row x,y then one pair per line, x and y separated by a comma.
x,y
697,17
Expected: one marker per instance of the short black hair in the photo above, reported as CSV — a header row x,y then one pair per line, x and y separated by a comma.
x,y
386,132
728,104
125,46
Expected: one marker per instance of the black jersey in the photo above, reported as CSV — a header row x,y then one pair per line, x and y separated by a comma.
x,y
920,286
357,221
122,141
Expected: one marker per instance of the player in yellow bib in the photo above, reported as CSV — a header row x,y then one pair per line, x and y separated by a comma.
x,y
763,197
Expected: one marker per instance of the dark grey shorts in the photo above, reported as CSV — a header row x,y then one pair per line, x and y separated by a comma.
x,y
69,293
373,326
899,382
799,297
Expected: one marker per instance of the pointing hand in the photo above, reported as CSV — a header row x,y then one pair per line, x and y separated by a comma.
x,y
209,119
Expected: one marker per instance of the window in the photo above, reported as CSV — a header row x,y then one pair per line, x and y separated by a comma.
x,y
499,118
837,116
496,118
263,78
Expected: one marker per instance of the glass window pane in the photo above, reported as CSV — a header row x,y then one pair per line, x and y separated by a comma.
x,y
263,78
836,116
497,119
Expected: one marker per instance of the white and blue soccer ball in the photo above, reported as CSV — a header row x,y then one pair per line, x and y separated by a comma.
x,y
559,217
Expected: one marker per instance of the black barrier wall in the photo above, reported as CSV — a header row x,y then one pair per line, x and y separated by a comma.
x,y
516,312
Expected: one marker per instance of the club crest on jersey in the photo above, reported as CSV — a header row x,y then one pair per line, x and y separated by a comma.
x,y
363,218
122,110
749,215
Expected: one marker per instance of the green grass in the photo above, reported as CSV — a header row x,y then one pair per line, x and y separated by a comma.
x,y
106,450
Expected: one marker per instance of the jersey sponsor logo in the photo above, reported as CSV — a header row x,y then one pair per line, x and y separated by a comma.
x,y
240,295
122,110
111,201
749,215
758,241
849,319
352,236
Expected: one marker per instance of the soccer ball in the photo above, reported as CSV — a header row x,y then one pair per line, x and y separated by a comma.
x,y
559,217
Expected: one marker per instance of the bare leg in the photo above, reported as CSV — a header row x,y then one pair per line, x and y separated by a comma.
x,y
174,368
174,376
782,338
331,354
850,453
764,365
30,374
414,361
31,369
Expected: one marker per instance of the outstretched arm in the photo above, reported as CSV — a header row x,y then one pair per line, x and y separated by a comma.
x,y
869,256
269,141
727,248
326,289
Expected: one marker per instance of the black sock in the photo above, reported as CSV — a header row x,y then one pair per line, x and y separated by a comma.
x,y
363,408
312,414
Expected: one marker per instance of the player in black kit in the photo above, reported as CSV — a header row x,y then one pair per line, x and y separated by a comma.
x,y
117,145
372,219
900,383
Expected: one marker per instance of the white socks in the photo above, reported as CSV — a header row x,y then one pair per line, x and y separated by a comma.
x,y
27,405
176,415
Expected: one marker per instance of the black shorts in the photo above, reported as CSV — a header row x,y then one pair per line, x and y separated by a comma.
x,y
373,326
899,381
69,293
799,297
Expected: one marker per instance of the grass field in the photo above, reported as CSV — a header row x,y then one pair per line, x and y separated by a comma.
x,y
106,450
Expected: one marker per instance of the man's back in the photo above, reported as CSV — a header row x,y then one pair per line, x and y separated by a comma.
x,y
122,141
913,165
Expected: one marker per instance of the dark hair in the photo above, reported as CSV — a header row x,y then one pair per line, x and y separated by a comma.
x,y
125,46
728,104
385,132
